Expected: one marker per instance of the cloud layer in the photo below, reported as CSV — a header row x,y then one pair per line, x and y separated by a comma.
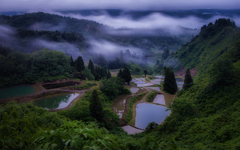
x,y
41,5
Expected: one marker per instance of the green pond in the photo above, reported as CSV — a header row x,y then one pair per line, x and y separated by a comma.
x,y
18,90
147,113
55,102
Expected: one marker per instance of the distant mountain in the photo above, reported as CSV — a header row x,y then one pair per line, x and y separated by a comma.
x,y
148,40
200,13
214,41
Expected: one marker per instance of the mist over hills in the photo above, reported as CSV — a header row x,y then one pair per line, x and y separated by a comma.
x,y
92,33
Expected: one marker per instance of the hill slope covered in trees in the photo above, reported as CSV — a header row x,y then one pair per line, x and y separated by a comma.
x,y
206,116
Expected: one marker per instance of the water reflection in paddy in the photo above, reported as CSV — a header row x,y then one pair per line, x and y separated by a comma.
x,y
147,113
134,90
118,106
140,82
163,99
159,76
56,102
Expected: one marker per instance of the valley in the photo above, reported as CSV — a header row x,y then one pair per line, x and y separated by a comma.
x,y
85,85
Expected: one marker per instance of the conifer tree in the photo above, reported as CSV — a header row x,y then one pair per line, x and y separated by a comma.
x,y
97,74
72,64
91,66
170,85
103,72
188,81
109,75
79,64
120,73
126,75
145,72
96,109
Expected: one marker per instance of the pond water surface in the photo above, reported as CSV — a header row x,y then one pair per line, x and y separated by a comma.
x,y
147,113
55,102
18,90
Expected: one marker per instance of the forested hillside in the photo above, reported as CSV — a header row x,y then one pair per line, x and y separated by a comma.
x,y
38,25
213,41
206,116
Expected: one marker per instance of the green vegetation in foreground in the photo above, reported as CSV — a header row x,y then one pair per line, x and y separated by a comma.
x,y
188,81
151,96
129,115
27,127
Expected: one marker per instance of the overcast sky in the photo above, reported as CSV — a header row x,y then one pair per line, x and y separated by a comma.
x,y
44,5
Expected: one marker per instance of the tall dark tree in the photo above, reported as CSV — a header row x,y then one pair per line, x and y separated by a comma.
x,y
120,73
126,75
169,84
91,66
103,72
79,64
145,72
72,64
109,75
97,74
188,81
95,107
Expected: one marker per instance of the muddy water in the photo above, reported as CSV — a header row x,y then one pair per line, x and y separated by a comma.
x,y
18,90
147,113
163,99
118,106
56,102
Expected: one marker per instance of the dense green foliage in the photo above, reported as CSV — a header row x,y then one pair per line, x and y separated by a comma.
x,y
213,41
95,107
86,73
113,87
188,81
169,84
79,64
150,96
27,127
91,66
206,115
44,65
126,75
20,122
